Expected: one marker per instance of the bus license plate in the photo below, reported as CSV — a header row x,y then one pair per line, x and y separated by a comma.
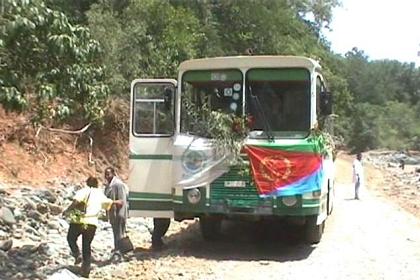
x,y
235,184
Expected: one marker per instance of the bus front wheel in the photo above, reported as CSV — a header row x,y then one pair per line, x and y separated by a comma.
x,y
210,227
313,232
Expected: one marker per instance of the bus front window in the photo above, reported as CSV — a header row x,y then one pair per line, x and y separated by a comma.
x,y
279,102
216,90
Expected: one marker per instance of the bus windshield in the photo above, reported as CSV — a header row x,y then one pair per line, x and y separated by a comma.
x,y
279,102
217,90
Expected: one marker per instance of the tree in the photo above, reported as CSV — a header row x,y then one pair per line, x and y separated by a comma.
x,y
147,39
48,64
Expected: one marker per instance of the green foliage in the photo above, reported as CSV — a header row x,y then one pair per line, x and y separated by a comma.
x,y
49,65
149,39
393,125
227,131
385,97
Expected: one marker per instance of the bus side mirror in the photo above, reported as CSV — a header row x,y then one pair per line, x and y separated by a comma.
x,y
326,103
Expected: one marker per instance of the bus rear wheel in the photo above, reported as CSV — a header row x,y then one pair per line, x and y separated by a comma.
x,y
313,232
211,227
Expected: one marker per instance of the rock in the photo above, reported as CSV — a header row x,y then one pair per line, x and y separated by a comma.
x,y
42,208
19,275
3,190
30,205
63,274
3,256
31,230
18,214
55,209
28,249
6,215
392,164
34,215
17,234
53,232
6,245
54,225
49,196
34,238
3,235
45,249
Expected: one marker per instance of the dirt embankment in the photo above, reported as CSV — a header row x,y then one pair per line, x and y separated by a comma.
x,y
38,157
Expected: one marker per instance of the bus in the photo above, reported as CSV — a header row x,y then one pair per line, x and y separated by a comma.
x,y
175,171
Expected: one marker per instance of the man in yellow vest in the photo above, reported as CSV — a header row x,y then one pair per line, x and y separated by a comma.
x,y
83,212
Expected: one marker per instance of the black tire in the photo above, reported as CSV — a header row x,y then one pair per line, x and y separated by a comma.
x,y
210,227
313,232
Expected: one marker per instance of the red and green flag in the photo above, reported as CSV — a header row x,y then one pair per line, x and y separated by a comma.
x,y
279,172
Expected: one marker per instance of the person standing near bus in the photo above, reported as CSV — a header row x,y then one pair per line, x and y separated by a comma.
x,y
357,175
117,215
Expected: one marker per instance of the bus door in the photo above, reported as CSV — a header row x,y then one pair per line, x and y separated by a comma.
x,y
152,128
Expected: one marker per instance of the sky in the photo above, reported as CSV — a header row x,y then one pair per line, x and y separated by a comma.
x,y
383,29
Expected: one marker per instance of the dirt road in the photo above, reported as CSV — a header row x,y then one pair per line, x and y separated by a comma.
x,y
367,239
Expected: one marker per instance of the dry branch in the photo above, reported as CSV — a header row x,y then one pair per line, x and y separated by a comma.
x,y
77,132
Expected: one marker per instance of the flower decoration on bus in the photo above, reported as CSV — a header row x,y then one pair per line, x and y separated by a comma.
x,y
193,161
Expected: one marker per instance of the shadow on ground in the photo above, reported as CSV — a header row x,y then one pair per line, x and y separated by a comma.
x,y
240,241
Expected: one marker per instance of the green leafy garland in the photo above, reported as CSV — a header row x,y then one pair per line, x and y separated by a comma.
x,y
226,130
325,141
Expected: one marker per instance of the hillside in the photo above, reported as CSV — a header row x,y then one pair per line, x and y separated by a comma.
x,y
34,157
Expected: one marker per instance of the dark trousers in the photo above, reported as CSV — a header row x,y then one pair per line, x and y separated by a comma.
x,y
118,230
160,227
87,232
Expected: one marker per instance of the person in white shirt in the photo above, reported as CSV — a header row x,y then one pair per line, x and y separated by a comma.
x,y
357,175
83,212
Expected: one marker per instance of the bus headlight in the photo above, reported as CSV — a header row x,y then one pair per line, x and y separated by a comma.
x,y
194,196
289,200
193,161
312,195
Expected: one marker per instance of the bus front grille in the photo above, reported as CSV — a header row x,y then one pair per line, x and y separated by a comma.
x,y
234,190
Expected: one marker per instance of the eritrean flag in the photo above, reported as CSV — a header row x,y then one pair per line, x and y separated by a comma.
x,y
283,172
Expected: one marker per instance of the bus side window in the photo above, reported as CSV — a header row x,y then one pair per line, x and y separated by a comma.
x,y
143,118
153,110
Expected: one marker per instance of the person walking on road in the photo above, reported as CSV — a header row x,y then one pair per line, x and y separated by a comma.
x,y
83,213
357,175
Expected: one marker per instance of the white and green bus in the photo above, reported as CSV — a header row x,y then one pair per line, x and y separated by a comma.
x,y
175,172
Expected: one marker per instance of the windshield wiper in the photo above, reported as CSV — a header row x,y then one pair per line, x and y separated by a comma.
x,y
267,127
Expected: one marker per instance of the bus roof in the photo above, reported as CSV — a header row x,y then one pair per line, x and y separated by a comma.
x,y
230,62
